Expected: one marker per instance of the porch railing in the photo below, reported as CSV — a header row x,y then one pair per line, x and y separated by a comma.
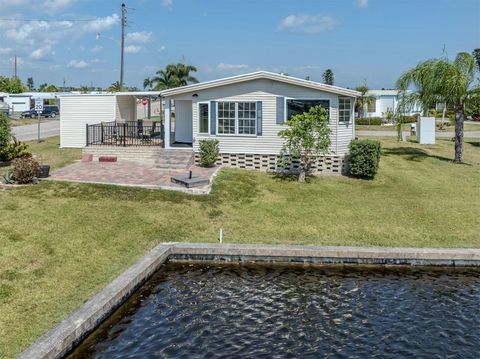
x,y
134,133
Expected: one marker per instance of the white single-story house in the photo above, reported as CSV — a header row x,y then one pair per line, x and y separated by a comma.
x,y
386,101
244,113
16,102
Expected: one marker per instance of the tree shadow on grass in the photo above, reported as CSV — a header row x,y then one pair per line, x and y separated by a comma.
x,y
415,154
473,143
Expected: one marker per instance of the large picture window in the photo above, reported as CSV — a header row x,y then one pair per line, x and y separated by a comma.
x,y
344,109
226,118
237,118
296,106
203,117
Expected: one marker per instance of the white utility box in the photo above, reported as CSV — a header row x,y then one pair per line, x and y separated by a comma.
x,y
426,130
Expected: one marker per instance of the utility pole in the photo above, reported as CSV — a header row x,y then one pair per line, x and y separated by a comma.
x,y
15,68
124,20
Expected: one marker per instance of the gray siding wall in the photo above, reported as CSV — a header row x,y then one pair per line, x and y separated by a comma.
x,y
267,92
78,111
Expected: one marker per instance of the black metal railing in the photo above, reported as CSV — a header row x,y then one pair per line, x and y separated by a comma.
x,y
134,133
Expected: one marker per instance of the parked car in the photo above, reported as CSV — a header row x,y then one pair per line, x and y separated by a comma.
x,y
48,111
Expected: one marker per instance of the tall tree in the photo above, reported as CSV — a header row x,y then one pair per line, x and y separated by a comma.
x,y
164,80
30,85
449,82
47,88
182,73
147,83
363,100
115,87
476,55
13,85
328,77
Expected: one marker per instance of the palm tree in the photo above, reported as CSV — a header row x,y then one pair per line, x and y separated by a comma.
x,y
363,100
446,81
147,83
182,73
164,80
115,87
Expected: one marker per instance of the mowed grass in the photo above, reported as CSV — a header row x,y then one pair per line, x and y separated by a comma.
x,y
61,242
406,127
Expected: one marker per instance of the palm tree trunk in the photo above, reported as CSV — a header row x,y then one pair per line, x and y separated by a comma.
x,y
459,133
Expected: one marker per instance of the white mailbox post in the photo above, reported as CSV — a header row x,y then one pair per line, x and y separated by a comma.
x,y
426,130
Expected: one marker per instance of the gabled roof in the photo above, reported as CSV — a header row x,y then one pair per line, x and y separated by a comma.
x,y
258,76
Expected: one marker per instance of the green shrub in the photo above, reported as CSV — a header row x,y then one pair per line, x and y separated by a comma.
x,y
408,119
209,151
25,170
369,121
15,149
364,158
5,133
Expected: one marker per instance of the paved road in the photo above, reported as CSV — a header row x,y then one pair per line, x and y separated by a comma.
x,y
30,132
467,134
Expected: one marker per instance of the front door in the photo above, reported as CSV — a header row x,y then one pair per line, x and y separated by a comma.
x,y
183,121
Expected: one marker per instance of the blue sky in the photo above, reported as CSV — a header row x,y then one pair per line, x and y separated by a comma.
x,y
374,40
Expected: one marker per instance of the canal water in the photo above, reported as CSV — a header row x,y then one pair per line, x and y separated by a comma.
x,y
207,311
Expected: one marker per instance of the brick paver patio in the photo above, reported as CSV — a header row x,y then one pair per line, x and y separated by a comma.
x,y
130,173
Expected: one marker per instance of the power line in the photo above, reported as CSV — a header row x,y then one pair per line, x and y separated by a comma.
x,y
46,20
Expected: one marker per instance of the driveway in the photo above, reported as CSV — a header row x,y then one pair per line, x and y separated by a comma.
x,y
30,132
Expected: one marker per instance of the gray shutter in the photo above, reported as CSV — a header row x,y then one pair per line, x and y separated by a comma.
x,y
213,117
259,118
280,110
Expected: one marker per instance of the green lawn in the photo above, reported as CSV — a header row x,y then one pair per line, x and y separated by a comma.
x,y
406,127
61,242
26,121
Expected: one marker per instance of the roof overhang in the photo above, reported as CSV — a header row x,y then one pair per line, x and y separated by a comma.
x,y
133,93
265,75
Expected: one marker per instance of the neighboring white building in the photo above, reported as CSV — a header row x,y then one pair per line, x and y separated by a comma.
x,y
16,102
244,113
386,101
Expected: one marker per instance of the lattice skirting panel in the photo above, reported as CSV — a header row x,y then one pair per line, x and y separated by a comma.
x,y
328,164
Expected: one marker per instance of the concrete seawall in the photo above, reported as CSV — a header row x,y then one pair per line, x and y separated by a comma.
x,y
65,336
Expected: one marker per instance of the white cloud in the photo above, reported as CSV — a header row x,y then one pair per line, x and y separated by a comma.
x,y
141,37
98,61
133,49
78,64
309,24
162,48
361,3
54,6
223,66
42,53
167,3
5,50
101,23
307,67
96,48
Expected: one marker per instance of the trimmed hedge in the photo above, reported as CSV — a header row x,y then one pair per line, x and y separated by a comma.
x,y
409,119
369,121
364,158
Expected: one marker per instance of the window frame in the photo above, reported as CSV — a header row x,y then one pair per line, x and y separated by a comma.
x,y
350,110
237,134
285,108
208,118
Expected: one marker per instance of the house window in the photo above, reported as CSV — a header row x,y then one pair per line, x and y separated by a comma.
x,y
247,118
296,106
203,118
344,109
226,118
372,106
237,118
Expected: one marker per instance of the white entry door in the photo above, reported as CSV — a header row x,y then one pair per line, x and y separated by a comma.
x,y
183,121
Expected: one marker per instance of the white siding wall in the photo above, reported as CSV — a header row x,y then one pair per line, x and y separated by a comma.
x,y
266,91
78,111
125,108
